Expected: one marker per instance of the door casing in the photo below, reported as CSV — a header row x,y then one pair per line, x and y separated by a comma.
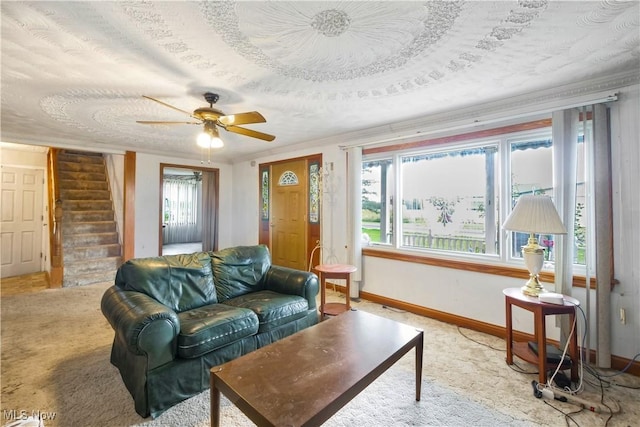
x,y
311,229
161,201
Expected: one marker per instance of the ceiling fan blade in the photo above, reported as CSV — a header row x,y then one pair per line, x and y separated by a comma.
x,y
167,105
249,132
154,122
242,119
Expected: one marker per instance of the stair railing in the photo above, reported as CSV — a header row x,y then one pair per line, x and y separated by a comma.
x,y
55,221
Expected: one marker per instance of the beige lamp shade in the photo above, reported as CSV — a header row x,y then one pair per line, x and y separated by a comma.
x,y
535,214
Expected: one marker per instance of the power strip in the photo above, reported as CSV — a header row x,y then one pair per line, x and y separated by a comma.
x,y
563,396
551,298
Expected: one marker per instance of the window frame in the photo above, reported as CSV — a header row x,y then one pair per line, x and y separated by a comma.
x,y
503,263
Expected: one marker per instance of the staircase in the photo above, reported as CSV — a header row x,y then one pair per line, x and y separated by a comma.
x,y
91,248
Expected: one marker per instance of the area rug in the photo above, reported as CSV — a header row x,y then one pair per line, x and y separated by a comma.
x,y
55,361
388,401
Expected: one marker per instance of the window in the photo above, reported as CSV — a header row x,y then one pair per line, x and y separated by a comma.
x,y
454,196
531,172
377,201
181,209
445,195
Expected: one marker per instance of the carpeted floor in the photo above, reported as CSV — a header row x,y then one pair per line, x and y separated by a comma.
x,y
55,359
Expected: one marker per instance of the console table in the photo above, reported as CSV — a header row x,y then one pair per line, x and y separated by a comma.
x,y
514,296
334,271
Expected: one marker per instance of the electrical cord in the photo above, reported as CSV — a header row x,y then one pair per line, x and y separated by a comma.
x,y
623,369
567,415
396,310
521,369
478,342
313,251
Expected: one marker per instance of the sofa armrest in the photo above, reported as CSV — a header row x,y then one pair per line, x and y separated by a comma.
x,y
293,282
142,324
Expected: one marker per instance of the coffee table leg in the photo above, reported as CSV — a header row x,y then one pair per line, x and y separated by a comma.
x,y
419,350
215,404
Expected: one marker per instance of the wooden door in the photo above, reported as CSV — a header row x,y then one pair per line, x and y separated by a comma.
x,y
22,220
289,214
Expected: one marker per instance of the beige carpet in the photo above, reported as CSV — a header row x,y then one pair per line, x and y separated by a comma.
x,y
55,359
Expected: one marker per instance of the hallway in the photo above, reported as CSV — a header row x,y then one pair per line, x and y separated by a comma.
x,y
181,248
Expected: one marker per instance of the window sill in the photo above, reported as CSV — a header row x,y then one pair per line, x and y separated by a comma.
x,y
486,268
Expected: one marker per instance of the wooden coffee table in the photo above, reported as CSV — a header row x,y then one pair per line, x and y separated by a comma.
x,y
303,379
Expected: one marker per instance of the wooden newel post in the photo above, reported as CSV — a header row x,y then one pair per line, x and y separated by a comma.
x,y
57,265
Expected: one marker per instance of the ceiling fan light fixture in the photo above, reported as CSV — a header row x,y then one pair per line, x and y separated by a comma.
x,y
204,140
209,138
216,142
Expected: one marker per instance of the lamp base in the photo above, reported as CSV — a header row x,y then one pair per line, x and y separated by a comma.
x,y
533,287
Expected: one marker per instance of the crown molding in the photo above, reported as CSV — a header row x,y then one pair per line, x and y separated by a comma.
x,y
523,105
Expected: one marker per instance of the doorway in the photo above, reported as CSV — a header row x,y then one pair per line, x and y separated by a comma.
x,y
290,196
22,220
188,209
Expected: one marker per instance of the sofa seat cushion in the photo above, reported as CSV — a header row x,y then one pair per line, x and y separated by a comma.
x,y
207,328
273,309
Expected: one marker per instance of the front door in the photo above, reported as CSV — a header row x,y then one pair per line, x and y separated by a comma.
x,y
289,214
22,219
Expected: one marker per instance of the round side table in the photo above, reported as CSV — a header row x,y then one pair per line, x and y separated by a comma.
x,y
540,310
334,271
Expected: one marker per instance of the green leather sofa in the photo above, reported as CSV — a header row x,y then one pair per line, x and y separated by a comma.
x,y
176,316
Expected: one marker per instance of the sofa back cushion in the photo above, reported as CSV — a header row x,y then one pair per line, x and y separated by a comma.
x,y
240,270
181,282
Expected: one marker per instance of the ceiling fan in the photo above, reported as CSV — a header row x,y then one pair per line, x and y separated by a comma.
x,y
212,118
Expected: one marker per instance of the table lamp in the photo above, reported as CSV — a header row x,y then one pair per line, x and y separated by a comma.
x,y
534,214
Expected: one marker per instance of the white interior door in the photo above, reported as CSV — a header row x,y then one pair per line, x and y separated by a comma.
x,y
21,221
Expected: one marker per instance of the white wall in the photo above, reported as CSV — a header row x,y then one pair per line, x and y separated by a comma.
x,y
115,171
147,202
467,294
246,203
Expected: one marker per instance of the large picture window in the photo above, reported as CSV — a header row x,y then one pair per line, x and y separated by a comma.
x,y
453,197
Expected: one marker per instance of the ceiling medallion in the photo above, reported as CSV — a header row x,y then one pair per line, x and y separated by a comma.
x,y
305,47
331,22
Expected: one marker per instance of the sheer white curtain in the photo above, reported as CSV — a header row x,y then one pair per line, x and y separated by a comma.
x,y
603,231
182,207
354,199
565,147
566,125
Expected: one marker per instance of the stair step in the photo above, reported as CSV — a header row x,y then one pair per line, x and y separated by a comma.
x,y
95,265
93,239
87,216
78,227
90,176
88,279
86,205
83,184
80,253
79,157
80,167
70,194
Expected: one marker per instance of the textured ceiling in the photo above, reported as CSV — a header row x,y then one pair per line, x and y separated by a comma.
x,y
73,73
